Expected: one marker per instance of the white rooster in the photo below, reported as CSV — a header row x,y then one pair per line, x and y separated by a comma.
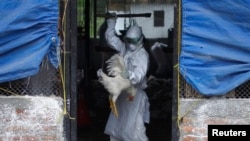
x,y
116,80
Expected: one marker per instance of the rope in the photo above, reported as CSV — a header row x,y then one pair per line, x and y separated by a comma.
x,y
178,71
62,70
177,65
9,91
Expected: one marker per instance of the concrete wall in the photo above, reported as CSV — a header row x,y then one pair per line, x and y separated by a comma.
x,y
196,114
31,118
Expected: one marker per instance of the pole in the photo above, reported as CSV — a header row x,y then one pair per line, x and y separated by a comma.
x,y
146,15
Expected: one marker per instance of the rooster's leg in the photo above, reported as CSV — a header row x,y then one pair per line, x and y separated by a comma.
x,y
115,109
113,106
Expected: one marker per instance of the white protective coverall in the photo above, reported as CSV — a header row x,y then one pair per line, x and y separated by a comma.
x,y
129,125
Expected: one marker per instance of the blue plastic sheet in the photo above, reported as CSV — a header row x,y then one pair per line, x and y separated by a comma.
x,y
215,53
28,33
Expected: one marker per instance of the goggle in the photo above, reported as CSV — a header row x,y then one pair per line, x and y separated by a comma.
x,y
133,41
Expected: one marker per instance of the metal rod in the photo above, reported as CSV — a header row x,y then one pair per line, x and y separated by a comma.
x,y
146,15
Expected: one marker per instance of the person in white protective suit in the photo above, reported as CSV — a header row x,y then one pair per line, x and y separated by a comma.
x,y
133,114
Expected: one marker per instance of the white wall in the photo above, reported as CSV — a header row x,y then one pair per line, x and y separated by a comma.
x,y
147,24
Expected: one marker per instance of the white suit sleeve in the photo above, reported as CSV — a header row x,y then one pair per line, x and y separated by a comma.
x,y
139,69
112,40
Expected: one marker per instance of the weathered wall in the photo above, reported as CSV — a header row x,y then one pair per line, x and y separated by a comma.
x,y
198,113
31,118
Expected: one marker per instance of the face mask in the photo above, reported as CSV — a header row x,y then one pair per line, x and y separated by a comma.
x,y
131,47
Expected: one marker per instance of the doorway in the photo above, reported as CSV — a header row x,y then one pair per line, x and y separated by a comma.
x,y
93,104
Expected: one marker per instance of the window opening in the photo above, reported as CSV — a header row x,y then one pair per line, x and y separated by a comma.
x,y
158,18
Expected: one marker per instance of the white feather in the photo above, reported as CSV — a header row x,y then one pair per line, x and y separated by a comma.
x,y
117,82
114,85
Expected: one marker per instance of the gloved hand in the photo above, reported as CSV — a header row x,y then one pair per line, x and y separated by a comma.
x,y
112,15
111,19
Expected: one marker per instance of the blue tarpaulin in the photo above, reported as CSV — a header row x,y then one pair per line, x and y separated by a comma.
x,y
28,34
215,51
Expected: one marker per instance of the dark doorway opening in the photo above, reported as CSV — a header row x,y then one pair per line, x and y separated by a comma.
x,y
93,106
